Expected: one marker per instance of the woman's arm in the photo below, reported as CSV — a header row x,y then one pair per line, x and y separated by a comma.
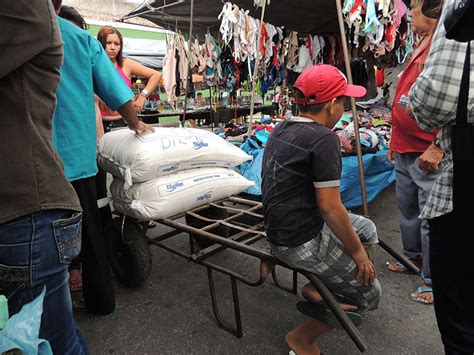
x,y
139,70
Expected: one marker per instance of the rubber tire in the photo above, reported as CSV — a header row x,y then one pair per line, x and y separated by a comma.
x,y
214,213
131,261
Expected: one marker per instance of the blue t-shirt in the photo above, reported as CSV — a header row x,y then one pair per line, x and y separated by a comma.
x,y
86,69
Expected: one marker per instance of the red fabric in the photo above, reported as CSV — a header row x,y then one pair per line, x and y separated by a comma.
x,y
275,56
263,40
380,77
356,5
406,135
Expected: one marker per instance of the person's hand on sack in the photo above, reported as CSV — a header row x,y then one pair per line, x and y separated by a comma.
x,y
142,127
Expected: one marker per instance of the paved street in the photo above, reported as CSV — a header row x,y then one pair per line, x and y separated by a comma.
x,y
171,313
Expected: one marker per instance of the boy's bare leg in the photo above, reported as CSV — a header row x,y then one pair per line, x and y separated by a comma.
x,y
301,339
310,293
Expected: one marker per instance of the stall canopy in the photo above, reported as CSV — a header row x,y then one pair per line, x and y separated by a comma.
x,y
305,16
146,51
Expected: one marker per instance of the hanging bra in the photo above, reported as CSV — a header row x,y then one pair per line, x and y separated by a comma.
x,y
371,21
406,46
228,20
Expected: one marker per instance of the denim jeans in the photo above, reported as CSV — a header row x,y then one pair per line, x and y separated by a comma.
x,y
35,251
413,188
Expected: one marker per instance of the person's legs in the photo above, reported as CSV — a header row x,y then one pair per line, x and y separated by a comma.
x,y
451,272
301,339
408,205
424,181
97,285
326,257
36,251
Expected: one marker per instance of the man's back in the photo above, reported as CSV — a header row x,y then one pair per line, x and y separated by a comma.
x,y
32,177
299,155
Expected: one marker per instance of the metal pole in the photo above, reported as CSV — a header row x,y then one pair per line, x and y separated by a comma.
x,y
353,106
254,75
187,67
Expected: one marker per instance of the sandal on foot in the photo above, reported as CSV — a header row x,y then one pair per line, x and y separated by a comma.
x,y
79,306
420,299
398,267
320,312
75,283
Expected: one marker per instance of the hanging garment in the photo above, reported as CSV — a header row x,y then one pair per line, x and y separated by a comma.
x,y
271,33
380,77
253,38
401,10
237,30
200,57
371,21
183,64
244,44
169,67
293,49
228,20
304,60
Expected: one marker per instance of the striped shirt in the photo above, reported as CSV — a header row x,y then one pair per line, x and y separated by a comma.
x,y
434,99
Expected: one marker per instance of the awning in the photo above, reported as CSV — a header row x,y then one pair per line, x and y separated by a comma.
x,y
146,51
305,16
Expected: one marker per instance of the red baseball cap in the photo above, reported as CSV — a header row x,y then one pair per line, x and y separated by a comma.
x,y
322,83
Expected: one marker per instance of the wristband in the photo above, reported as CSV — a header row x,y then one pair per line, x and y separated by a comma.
x,y
145,93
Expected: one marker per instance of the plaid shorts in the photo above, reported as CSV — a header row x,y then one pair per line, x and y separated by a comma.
x,y
326,257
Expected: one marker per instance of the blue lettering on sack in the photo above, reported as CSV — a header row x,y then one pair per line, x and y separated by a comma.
x,y
200,143
206,196
171,169
173,186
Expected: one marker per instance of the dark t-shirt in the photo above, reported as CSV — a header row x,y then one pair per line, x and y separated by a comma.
x,y
300,155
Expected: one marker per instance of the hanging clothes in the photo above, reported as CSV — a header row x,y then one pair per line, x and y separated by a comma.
x,y
169,67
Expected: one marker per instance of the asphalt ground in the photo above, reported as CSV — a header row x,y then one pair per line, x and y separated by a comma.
x,y
172,314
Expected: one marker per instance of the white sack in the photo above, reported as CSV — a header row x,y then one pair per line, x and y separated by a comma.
x,y
142,157
172,194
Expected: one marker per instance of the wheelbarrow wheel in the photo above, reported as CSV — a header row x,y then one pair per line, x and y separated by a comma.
x,y
212,213
129,255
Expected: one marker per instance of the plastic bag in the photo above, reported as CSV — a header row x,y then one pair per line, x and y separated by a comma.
x,y
22,330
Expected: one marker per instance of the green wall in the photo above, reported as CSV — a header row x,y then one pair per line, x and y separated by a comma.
x,y
129,33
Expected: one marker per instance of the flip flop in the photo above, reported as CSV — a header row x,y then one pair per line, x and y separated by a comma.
x,y
418,299
75,286
320,312
403,269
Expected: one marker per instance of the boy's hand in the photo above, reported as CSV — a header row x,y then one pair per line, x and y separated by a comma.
x,y
366,270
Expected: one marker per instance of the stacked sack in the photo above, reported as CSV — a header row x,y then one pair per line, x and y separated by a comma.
x,y
169,171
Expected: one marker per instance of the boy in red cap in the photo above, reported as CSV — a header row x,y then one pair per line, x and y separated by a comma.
x,y
306,223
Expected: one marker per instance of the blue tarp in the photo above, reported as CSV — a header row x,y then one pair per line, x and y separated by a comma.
x,y
379,173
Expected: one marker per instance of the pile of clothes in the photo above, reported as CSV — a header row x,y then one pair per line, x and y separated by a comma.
x,y
374,130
